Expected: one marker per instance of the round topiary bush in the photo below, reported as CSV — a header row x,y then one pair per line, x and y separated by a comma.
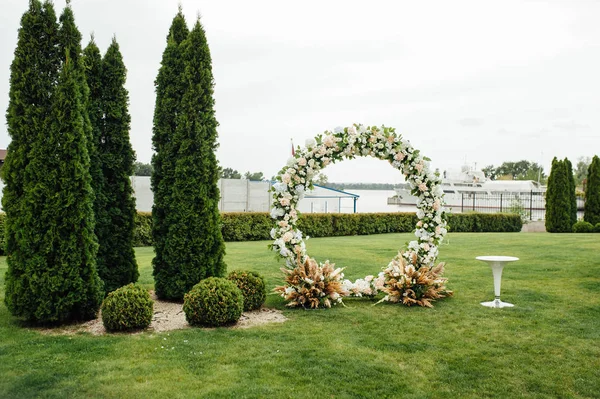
x,y
252,286
214,301
127,308
597,228
583,227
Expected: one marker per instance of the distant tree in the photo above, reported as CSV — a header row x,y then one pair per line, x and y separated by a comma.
x,y
592,193
321,179
571,191
142,169
257,176
521,170
489,172
581,170
195,247
229,173
115,216
558,203
170,88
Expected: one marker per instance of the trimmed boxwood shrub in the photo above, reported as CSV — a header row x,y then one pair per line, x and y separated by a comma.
x,y
583,227
127,308
213,302
252,286
597,228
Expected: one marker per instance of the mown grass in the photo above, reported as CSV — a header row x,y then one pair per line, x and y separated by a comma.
x,y
545,347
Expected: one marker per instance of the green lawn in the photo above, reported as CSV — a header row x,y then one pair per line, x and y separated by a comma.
x,y
547,346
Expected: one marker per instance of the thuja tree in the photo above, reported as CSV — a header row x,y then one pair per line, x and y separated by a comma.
x,y
56,278
169,91
558,203
114,205
195,247
34,71
592,193
571,191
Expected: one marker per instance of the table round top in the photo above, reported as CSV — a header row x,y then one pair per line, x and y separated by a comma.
x,y
497,258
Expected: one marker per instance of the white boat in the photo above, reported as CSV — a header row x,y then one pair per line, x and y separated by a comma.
x,y
469,186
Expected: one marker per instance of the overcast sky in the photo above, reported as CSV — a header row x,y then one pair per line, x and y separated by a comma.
x,y
465,81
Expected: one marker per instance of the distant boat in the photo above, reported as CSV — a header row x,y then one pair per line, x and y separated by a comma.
x,y
469,184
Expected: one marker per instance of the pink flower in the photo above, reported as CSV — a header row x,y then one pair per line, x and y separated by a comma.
x,y
286,178
423,187
302,161
284,202
287,237
419,224
283,223
436,205
419,167
399,156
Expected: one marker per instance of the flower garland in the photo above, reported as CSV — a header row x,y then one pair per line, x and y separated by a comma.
x,y
347,143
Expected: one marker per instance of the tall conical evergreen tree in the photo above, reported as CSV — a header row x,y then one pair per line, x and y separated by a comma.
x,y
169,91
115,217
34,72
57,278
195,247
92,61
571,191
558,203
592,193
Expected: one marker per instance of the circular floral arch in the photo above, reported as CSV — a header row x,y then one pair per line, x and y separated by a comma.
x,y
347,143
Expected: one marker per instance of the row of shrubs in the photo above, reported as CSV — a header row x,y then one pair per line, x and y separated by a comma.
x,y
254,226
586,227
212,302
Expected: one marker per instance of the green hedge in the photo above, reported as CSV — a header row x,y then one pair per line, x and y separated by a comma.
x,y
246,226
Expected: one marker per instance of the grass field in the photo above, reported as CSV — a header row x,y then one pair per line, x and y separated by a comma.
x,y
547,346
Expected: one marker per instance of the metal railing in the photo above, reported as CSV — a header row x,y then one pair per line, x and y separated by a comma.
x,y
530,205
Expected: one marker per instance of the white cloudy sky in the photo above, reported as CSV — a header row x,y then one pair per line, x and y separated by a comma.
x,y
476,81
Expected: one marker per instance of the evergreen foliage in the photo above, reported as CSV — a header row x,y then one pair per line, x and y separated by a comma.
x,y
33,72
169,91
558,202
592,193
115,204
213,302
252,286
127,308
571,191
186,171
48,197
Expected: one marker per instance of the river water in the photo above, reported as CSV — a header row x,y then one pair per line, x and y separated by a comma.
x,y
373,201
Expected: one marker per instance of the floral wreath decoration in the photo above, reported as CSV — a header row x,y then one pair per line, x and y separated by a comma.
x,y
410,278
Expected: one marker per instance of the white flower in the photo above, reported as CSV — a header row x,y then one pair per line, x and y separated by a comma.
x,y
310,143
338,129
280,187
277,212
291,161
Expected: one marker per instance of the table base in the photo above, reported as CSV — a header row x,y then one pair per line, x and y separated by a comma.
x,y
497,303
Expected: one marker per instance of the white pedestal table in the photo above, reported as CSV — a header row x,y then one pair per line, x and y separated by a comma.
x,y
497,264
